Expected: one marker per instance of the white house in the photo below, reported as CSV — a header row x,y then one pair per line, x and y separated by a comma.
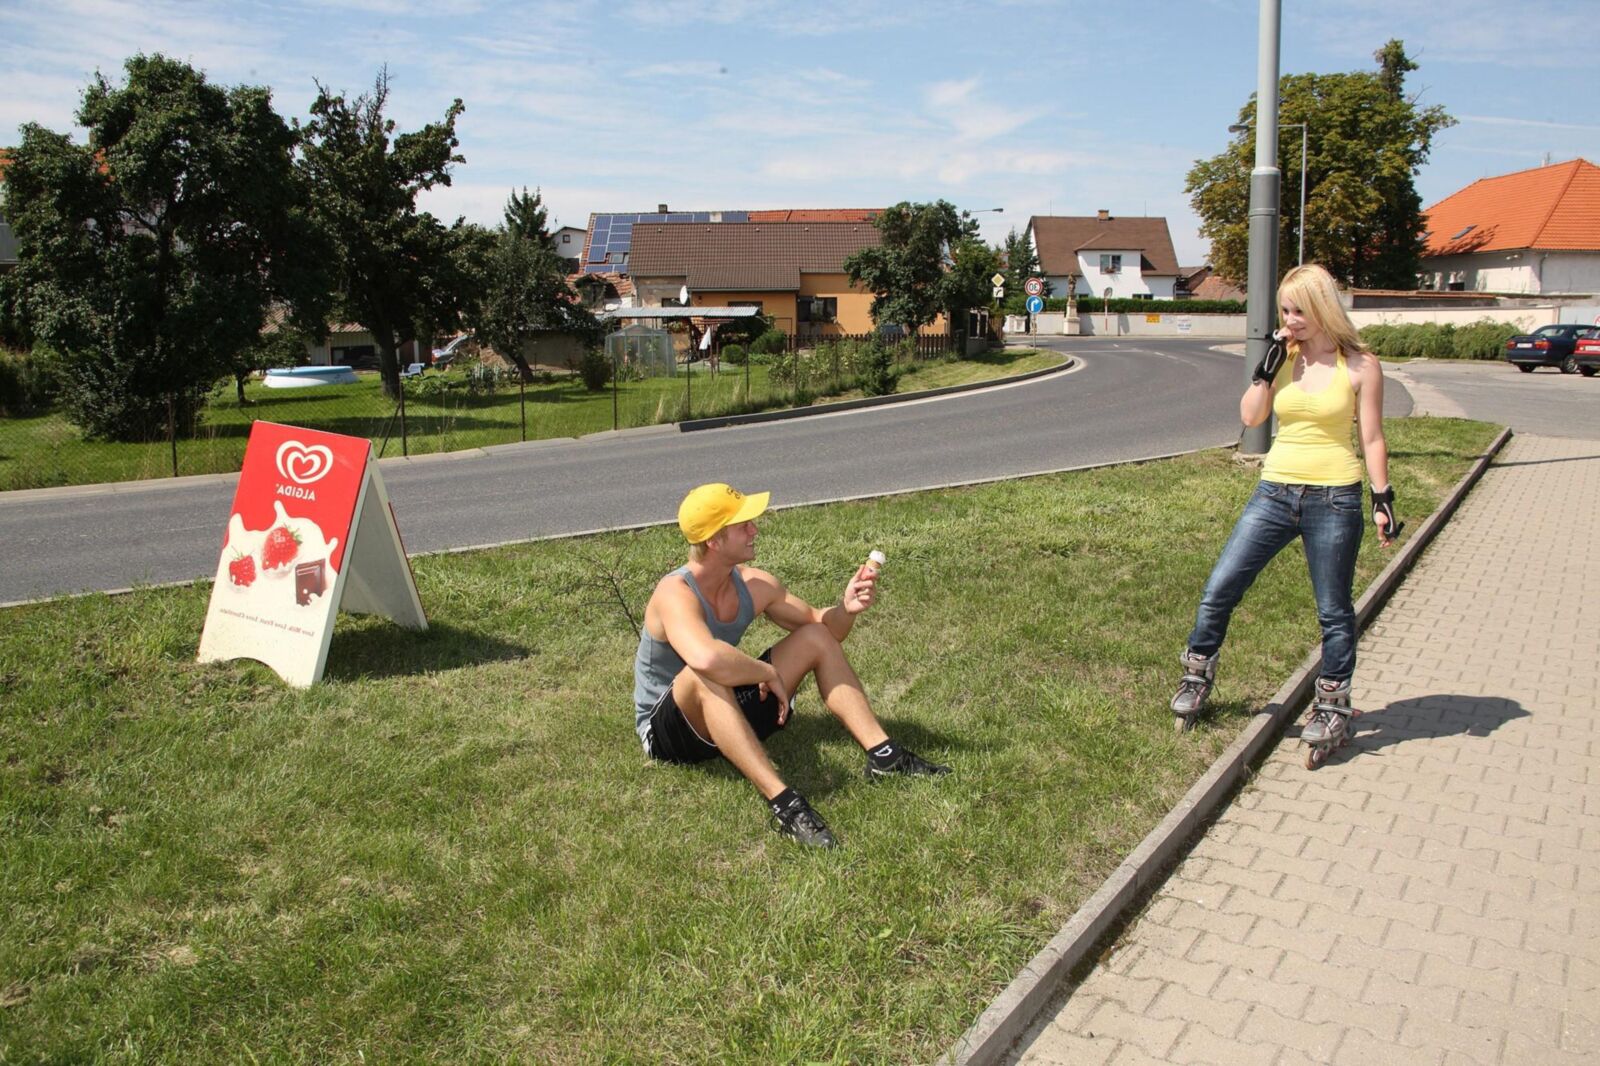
x,y
1534,231
1132,257
569,246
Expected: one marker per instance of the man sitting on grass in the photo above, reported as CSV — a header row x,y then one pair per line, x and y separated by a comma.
x,y
697,696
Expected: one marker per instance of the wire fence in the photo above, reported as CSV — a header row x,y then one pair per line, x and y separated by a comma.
x,y
456,410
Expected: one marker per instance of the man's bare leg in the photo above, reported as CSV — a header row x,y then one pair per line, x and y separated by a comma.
x,y
813,649
714,713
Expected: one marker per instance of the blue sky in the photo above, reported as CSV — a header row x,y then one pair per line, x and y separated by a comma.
x,y
1039,108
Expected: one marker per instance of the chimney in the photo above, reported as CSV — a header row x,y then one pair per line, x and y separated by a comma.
x,y
661,209
1103,215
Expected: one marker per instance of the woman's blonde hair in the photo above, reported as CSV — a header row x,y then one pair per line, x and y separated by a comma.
x,y
1312,289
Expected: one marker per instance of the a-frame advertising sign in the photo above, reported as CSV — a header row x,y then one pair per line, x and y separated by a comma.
x,y
311,533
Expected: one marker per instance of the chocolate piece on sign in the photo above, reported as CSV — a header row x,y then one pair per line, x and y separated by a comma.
x,y
310,579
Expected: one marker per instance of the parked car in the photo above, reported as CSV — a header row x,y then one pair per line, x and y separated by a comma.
x,y
443,357
1548,346
1587,355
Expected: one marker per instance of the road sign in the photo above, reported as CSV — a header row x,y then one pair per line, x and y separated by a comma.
x,y
1035,305
998,280
999,292
1033,286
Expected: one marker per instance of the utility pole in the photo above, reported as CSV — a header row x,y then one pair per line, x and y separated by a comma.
x,y
1265,179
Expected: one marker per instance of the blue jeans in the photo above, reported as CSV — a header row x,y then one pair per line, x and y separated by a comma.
x,y
1331,520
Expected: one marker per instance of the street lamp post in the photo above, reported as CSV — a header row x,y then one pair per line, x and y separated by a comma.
x,y
1300,225
1264,190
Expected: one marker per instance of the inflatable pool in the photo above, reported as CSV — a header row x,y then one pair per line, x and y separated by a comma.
x,y
300,377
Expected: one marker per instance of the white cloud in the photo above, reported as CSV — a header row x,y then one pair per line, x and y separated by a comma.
x,y
1526,123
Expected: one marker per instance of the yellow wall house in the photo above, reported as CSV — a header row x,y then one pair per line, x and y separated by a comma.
x,y
793,271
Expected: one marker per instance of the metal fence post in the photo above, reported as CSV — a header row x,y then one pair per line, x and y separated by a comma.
x,y
522,403
400,388
172,434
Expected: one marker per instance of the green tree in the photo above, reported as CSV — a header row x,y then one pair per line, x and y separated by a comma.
x,y
1021,263
909,273
1365,143
968,284
402,273
524,290
150,255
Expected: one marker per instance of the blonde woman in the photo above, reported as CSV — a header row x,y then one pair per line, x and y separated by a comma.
x,y
1315,377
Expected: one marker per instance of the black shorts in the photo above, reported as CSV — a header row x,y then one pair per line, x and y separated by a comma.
x,y
673,739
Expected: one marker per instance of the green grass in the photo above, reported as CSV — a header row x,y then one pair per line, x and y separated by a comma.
x,y
453,851
47,450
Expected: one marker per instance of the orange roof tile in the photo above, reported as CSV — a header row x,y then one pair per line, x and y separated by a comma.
x,y
1553,207
819,214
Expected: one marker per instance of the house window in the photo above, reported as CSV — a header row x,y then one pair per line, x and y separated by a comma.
x,y
1110,262
566,238
1144,296
817,308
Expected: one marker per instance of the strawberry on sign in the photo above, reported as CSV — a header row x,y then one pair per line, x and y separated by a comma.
x,y
310,509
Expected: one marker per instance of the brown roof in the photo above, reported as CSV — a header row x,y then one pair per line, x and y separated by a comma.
x,y
1215,288
621,284
1555,207
1204,283
1058,240
745,256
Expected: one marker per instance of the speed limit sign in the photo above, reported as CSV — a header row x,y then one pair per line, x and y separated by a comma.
x,y
1033,286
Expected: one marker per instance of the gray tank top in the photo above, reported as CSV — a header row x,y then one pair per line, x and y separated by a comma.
x,y
656,663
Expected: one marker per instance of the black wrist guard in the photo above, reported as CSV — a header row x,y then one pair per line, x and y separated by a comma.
x,y
1383,504
1267,369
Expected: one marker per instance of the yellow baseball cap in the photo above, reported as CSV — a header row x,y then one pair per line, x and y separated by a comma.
x,y
709,508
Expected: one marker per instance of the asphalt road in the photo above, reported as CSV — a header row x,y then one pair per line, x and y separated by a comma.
x,y
1126,401
1546,402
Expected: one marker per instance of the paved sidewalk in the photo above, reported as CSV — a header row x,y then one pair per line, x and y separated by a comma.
x,y
1432,895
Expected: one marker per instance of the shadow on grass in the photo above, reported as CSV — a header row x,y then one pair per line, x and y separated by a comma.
x,y
380,649
1428,717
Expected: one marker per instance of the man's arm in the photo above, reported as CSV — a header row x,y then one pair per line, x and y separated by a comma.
x,y
790,612
715,660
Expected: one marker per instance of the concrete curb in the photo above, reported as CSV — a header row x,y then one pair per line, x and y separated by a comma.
x,y
692,425
989,1039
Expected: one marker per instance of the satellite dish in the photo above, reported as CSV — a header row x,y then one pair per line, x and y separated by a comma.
x,y
683,295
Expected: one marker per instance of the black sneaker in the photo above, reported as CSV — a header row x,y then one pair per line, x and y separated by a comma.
x,y
909,764
797,821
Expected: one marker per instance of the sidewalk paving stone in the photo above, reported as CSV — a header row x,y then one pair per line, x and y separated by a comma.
x,y
1429,895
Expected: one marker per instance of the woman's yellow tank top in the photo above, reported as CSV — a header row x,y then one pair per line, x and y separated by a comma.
x,y
1314,444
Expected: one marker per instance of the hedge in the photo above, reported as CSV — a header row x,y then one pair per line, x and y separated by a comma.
x,y
1483,339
